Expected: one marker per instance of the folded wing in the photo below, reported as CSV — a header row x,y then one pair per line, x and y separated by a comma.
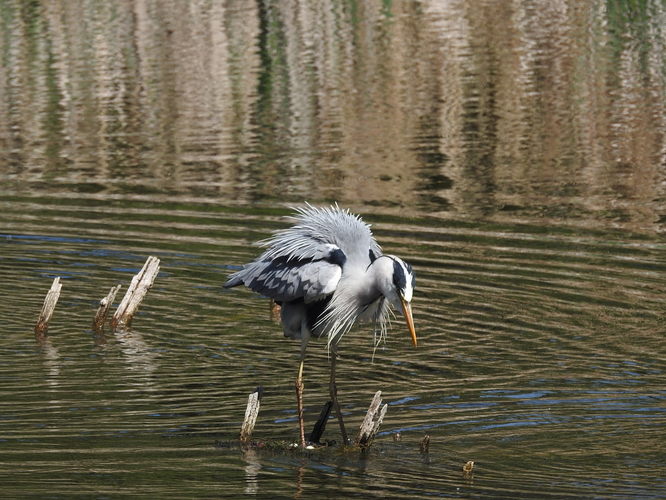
x,y
288,278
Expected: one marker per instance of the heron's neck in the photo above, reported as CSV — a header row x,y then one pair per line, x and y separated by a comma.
x,y
357,291
375,282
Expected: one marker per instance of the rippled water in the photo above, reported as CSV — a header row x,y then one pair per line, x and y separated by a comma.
x,y
513,152
541,359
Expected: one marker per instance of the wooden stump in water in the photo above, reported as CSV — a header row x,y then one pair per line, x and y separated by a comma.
x,y
367,432
103,309
251,412
136,292
47,309
371,422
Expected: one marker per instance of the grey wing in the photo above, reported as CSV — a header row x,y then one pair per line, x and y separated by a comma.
x,y
306,260
286,280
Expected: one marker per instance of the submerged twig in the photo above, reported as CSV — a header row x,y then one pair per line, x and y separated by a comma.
x,y
424,445
136,292
47,309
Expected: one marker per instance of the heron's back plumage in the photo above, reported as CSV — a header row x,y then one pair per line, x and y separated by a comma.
x,y
316,229
314,268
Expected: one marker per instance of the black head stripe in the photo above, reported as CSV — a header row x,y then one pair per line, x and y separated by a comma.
x,y
399,278
410,270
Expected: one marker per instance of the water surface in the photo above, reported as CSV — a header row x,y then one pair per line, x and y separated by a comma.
x,y
513,152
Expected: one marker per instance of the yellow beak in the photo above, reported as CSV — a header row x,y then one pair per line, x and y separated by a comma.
x,y
407,311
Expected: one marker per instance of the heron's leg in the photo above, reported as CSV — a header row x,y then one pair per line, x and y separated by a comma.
x,y
305,337
299,403
334,393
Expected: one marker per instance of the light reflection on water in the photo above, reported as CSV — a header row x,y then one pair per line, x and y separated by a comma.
x,y
513,152
543,111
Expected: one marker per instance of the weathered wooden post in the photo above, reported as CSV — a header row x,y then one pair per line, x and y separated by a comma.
x,y
103,309
47,309
251,412
370,426
136,292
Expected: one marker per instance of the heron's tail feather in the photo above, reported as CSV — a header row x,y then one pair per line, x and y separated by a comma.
x,y
234,280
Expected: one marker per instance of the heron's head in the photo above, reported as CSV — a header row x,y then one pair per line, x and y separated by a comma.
x,y
397,286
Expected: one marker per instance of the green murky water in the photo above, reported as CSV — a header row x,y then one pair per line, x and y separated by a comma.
x,y
513,152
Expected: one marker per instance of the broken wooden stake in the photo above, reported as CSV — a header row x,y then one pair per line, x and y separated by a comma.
x,y
251,412
136,292
103,309
372,421
47,309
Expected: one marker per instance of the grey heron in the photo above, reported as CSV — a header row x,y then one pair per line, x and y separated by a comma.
x,y
327,271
